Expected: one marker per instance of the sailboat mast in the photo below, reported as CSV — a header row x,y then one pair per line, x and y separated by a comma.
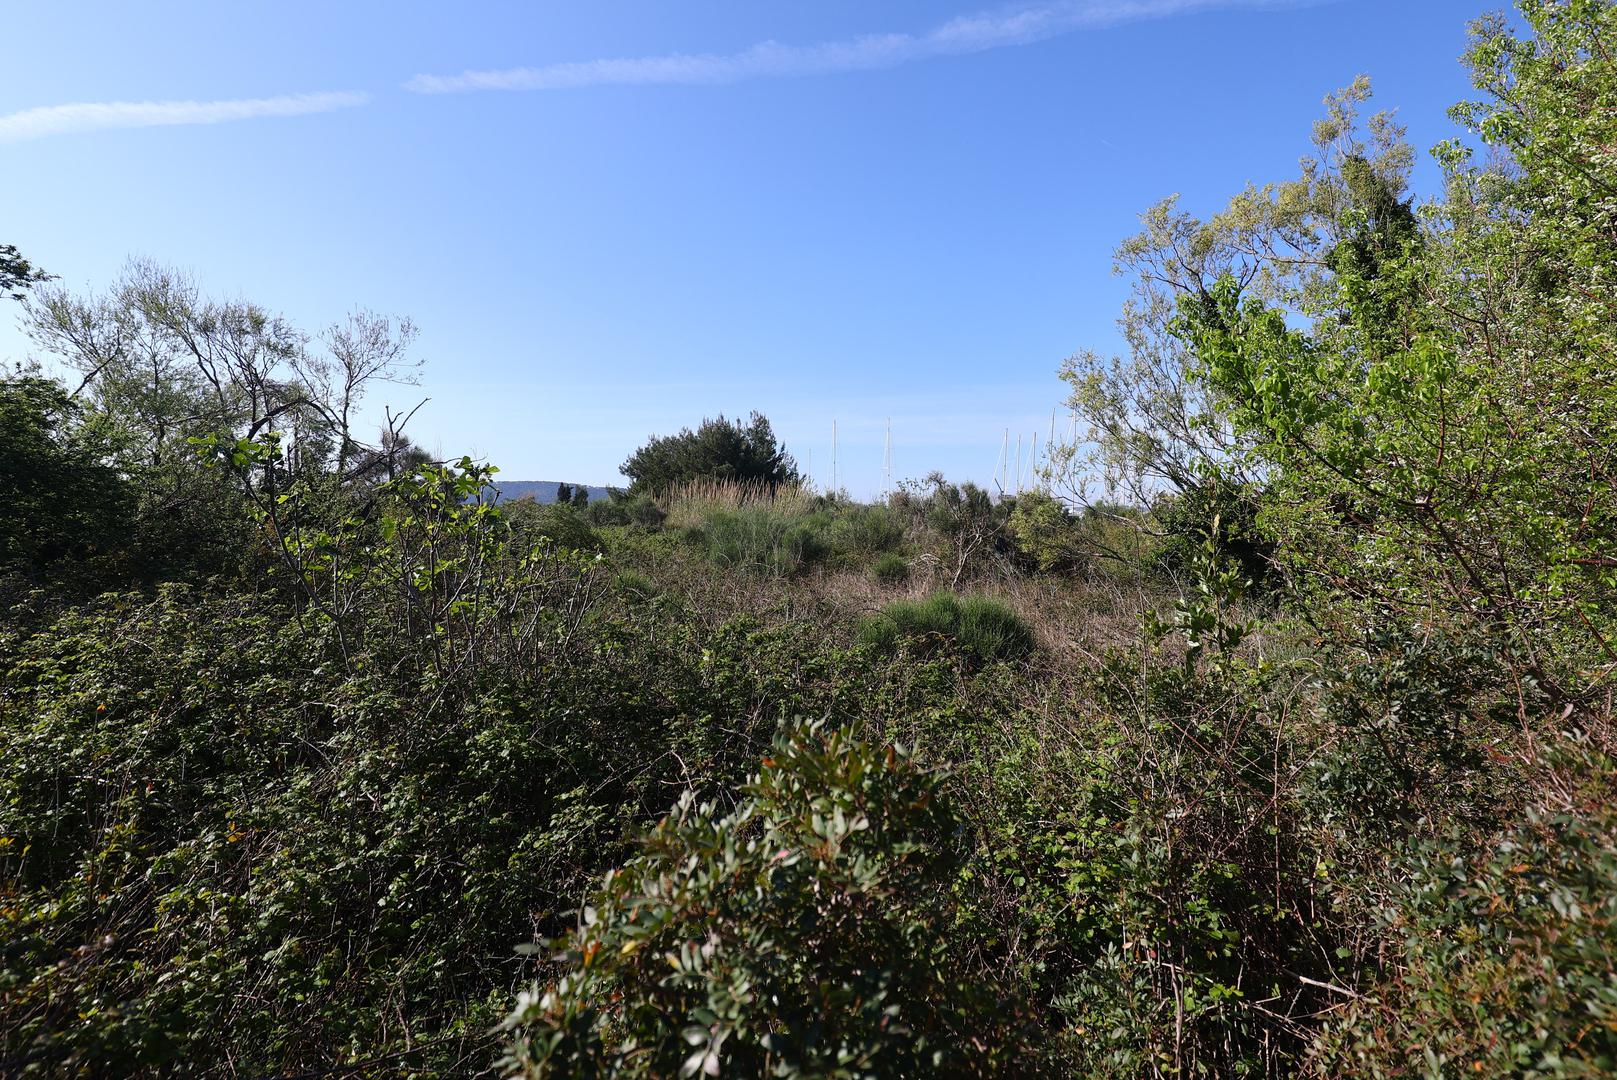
x,y
887,463
1003,472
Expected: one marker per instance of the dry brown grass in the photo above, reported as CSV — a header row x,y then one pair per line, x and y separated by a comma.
x,y
696,500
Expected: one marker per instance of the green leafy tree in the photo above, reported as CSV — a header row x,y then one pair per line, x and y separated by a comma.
x,y
1158,433
1438,439
160,365
564,494
718,448
17,274
62,498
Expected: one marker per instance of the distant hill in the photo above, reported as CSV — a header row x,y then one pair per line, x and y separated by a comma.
x,y
541,491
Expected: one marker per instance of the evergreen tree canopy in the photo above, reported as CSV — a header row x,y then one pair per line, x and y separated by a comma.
x,y
719,448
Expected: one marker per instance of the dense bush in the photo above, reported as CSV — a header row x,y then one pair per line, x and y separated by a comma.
x,y
1506,954
1044,531
978,627
231,831
1212,513
967,525
63,500
795,935
862,532
562,524
625,510
891,569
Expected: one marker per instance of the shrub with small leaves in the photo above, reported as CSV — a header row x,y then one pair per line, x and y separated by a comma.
x,y
1509,963
867,530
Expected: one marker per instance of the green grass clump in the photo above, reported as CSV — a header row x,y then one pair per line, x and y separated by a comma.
x,y
891,569
978,626
634,586
863,531
762,539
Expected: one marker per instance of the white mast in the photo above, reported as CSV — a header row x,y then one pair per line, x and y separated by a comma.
x,y
834,486
1018,463
887,463
1004,469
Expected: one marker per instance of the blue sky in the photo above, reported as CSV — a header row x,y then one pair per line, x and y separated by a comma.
x,y
638,212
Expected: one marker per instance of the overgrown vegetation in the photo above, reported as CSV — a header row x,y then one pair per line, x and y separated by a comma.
x,y
1273,739
976,626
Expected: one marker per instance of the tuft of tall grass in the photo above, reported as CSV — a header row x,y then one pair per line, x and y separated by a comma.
x,y
696,501
891,569
862,532
762,539
978,626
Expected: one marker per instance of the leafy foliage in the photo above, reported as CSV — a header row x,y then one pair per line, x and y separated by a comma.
x,y
796,935
17,274
1507,953
63,501
304,734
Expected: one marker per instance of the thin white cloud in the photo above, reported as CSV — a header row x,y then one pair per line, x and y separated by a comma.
x,y
979,32
100,116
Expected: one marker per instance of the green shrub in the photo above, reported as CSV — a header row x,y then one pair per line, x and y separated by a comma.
x,y
763,540
719,449
626,511
797,935
63,502
862,531
221,851
634,586
1044,531
1187,521
966,525
1508,952
891,569
977,626
564,525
